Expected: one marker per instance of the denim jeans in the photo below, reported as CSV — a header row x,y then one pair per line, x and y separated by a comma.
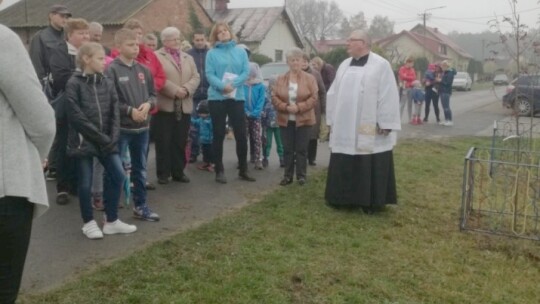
x,y
113,181
432,98
15,229
406,99
137,143
445,100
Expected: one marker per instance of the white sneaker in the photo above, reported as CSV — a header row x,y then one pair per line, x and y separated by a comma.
x,y
449,123
92,231
118,227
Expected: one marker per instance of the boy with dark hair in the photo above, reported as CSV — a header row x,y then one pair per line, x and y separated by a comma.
x,y
136,94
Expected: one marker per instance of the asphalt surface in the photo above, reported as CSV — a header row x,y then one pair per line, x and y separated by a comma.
x,y
59,251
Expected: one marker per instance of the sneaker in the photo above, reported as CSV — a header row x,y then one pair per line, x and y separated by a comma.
x,y
246,177
220,178
92,231
181,179
442,123
51,175
144,213
97,204
118,227
449,123
265,162
258,165
62,198
150,186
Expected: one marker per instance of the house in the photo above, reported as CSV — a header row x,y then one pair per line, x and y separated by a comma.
x,y
431,44
266,30
325,46
26,17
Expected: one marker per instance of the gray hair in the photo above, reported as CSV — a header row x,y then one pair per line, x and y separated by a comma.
x,y
95,26
170,31
363,35
294,52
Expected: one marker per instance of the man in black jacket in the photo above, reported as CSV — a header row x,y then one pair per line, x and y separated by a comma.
x,y
47,39
40,50
198,52
62,65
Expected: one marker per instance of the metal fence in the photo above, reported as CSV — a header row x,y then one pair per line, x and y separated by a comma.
x,y
501,184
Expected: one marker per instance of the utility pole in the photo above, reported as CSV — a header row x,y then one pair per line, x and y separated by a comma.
x,y
424,16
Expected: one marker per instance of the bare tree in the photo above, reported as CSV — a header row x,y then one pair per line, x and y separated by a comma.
x,y
316,19
348,25
381,27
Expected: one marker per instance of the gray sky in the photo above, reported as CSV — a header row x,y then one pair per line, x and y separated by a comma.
x,y
466,16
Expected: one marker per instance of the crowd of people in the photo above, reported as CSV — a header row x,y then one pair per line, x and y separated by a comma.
x,y
103,106
437,82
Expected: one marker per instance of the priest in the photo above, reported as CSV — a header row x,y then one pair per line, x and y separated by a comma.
x,y
363,115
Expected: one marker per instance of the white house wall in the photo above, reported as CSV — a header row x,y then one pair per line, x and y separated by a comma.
x,y
278,38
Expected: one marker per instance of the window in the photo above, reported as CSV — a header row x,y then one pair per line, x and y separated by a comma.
x,y
442,49
278,57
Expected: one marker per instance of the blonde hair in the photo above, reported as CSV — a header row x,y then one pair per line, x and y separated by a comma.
x,y
213,34
75,24
318,60
133,24
124,34
88,49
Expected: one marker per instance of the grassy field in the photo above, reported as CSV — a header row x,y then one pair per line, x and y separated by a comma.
x,y
291,248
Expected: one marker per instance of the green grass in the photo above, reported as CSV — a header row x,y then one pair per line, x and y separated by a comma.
x,y
291,248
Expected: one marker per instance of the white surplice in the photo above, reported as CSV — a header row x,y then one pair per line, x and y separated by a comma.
x,y
360,100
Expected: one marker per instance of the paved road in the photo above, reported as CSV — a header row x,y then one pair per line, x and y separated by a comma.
x,y
59,250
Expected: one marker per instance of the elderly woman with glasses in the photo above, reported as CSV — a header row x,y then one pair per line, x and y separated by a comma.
x,y
294,95
175,104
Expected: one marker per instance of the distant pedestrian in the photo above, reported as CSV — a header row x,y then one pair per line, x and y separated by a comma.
x,y
255,93
96,34
151,41
446,91
418,97
271,127
203,122
328,74
26,134
406,76
94,117
432,80
136,95
227,68
294,96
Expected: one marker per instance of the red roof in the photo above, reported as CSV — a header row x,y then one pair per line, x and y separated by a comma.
x,y
324,46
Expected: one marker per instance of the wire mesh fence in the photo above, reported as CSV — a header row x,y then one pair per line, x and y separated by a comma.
x,y
501,184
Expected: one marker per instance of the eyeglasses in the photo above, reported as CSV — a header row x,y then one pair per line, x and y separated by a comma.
x,y
354,39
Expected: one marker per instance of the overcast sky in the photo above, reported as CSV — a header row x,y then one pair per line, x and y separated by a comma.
x,y
466,16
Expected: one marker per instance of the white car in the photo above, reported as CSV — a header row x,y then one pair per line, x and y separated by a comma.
x,y
462,81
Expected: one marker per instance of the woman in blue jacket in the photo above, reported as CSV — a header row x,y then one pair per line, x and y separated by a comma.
x,y
227,68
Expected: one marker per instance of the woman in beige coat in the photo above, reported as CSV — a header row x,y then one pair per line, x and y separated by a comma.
x,y
170,125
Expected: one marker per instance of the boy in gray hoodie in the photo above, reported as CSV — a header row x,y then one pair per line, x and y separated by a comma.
x,y
136,94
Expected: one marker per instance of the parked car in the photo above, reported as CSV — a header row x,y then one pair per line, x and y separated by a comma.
x,y
462,81
500,79
523,95
273,69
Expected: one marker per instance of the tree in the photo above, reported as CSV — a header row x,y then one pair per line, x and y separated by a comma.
x,y
260,59
316,19
421,64
381,27
194,19
335,56
348,25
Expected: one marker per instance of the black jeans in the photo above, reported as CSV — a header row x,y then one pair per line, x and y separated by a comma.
x,y
219,110
295,143
66,169
432,97
312,150
171,137
15,228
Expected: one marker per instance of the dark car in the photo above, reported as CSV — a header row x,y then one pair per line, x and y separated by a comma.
x,y
523,95
500,79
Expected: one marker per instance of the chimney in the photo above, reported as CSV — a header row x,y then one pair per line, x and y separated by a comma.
x,y
221,5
